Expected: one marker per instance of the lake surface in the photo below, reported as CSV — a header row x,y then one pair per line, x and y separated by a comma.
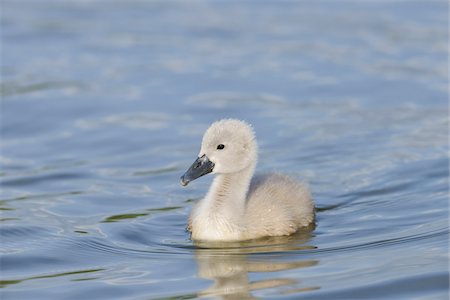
x,y
104,105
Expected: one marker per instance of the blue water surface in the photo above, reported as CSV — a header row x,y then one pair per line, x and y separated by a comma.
x,y
103,106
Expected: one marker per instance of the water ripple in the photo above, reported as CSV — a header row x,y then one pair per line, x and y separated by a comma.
x,y
11,88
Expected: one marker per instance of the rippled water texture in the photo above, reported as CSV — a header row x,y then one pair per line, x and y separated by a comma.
x,y
104,105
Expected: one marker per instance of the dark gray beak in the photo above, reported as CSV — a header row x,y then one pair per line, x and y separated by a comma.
x,y
200,167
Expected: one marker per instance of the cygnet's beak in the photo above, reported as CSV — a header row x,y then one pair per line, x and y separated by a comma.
x,y
200,167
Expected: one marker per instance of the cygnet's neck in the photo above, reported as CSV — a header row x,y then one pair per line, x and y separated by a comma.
x,y
221,212
229,191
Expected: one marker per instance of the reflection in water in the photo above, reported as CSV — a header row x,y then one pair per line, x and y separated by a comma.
x,y
229,264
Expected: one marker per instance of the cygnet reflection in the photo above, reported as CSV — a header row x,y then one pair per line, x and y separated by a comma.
x,y
229,265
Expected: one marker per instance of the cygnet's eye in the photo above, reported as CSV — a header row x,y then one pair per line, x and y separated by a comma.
x,y
220,146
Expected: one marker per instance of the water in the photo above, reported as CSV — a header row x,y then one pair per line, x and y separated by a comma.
x,y
104,106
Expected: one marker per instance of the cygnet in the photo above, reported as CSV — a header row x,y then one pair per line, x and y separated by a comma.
x,y
238,205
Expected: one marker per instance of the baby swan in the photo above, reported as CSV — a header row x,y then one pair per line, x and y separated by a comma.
x,y
237,206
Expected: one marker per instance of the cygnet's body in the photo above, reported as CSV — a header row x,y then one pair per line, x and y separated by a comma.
x,y
239,206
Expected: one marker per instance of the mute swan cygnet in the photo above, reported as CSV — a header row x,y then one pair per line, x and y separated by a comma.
x,y
237,206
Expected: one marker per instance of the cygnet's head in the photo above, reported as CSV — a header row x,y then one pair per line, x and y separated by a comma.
x,y
228,146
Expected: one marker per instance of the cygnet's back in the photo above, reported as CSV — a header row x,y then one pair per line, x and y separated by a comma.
x,y
277,205
238,206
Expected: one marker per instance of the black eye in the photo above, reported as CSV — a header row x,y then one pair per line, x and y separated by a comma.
x,y
220,146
